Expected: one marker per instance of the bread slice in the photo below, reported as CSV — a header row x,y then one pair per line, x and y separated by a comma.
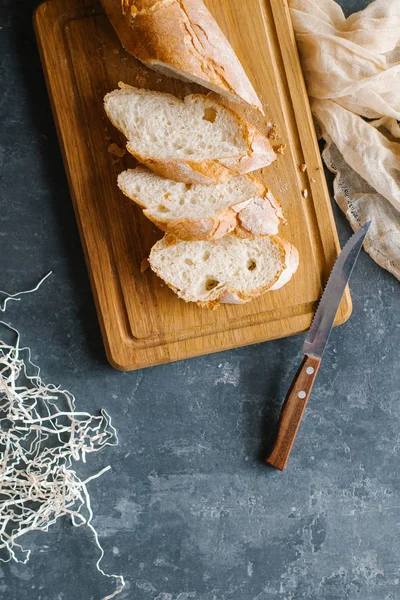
x,y
201,212
181,38
195,140
231,270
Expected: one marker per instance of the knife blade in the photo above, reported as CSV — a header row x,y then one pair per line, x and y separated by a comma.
x,y
313,350
318,335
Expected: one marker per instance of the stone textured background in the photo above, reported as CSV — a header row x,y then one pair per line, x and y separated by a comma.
x,y
189,511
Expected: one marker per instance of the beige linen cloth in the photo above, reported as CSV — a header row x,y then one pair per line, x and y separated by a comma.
x,y
352,71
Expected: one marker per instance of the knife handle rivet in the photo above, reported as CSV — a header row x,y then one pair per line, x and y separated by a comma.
x,y
302,395
310,370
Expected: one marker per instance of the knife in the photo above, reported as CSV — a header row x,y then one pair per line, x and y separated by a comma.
x,y
313,350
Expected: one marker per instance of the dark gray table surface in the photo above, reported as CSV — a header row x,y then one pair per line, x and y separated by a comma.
x,y
189,511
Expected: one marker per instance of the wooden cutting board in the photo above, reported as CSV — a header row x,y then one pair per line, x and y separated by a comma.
x,y
143,322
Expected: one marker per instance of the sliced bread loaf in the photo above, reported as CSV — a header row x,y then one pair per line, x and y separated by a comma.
x,y
201,212
231,270
180,38
194,140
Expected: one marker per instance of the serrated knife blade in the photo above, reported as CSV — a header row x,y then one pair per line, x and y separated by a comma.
x,y
313,349
324,317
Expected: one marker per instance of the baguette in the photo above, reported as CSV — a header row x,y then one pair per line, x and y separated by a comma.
x,y
201,212
180,38
194,140
231,270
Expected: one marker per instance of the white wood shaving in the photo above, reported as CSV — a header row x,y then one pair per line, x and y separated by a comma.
x,y
15,297
41,433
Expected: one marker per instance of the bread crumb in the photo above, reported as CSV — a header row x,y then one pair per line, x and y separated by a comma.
x,y
303,167
128,7
313,180
115,51
116,150
280,149
305,193
141,80
144,265
272,133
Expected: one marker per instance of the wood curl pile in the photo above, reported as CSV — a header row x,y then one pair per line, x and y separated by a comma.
x,y
42,435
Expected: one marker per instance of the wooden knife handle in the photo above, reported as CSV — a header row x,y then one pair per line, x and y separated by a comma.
x,y
292,411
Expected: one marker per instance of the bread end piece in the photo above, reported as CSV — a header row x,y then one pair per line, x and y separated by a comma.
x,y
181,39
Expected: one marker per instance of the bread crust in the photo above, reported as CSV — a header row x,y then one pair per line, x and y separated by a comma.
x,y
291,265
181,38
217,170
199,229
289,260
256,215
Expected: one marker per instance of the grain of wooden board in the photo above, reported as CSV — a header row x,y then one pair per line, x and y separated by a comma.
x,y
144,323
